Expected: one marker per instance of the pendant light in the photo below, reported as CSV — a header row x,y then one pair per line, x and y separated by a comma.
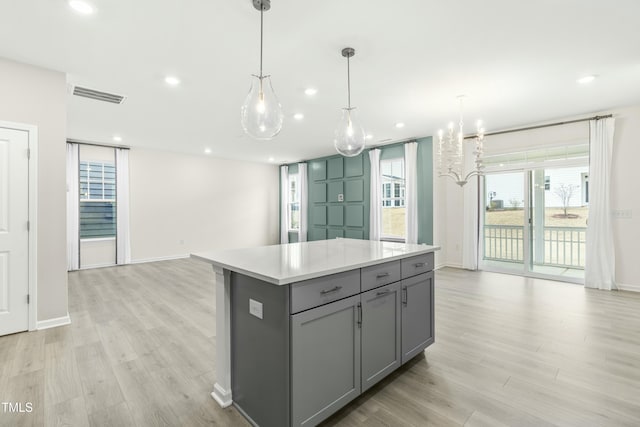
x,y
261,114
349,135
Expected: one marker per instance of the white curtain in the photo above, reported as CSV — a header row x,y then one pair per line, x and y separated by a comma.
x,y
411,191
600,261
123,237
375,224
73,207
470,213
303,191
284,204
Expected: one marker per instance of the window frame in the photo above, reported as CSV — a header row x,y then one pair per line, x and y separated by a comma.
x,y
88,200
293,178
390,184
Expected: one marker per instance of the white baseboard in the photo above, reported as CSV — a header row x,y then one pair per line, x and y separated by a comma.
x,y
52,323
449,264
626,287
162,258
89,267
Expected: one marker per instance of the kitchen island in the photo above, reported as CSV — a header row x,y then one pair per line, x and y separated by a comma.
x,y
304,328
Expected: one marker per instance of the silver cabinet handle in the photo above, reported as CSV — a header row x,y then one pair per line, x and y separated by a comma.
x,y
359,315
418,264
381,275
328,291
379,293
404,296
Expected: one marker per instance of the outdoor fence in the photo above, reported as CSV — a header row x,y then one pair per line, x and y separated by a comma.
x,y
562,246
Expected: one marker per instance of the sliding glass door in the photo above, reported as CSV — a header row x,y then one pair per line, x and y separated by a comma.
x,y
558,225
502,237
534,222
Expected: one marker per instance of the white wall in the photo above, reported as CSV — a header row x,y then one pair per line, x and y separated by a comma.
x,y
184,203
624,194
37,96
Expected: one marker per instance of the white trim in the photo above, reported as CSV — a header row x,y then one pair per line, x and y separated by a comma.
x,y
97,239
161,258
221,396
55,322
32,132
222,388
449,265
103,265
628,287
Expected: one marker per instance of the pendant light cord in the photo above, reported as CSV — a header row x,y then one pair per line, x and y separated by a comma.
x,y
261,32
348,84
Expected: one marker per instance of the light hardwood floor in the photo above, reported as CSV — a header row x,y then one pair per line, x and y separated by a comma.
x,y
509,351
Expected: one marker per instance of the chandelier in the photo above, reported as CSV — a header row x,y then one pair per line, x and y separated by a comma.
x,y
451,156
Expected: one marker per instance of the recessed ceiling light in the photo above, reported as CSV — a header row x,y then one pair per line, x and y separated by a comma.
x,y
117,138
81,7
399,125
369,136
271,159
298,116
310,91
171,80
586,79
207,151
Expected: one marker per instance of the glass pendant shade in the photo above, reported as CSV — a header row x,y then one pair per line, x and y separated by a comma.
x,y
349,135
261,114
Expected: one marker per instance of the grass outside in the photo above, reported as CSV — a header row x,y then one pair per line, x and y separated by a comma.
x,y
560,247
516,217
393,221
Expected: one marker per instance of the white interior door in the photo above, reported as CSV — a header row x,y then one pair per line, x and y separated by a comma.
x,y
14,234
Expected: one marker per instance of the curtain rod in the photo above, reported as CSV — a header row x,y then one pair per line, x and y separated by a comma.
x,y
95,144
500,132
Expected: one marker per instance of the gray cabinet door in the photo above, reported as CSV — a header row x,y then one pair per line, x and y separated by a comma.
x,y
380,333
417,315
325,360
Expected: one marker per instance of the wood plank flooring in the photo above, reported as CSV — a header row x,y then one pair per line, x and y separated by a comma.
x,y
509,351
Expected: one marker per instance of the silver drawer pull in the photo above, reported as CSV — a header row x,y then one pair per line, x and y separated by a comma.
x,y
418,264
381,275
379,293
328,291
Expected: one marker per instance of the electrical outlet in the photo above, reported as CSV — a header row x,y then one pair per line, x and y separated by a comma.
x,y
255,308
341,197
622,213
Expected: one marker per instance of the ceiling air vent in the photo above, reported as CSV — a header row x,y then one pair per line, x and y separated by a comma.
x,y
98,95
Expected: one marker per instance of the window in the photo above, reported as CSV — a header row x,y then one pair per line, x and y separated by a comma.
x,y
393,199
97,200
294,203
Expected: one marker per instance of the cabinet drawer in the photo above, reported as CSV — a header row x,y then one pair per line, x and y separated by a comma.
x,y
416,265
315,292
378,275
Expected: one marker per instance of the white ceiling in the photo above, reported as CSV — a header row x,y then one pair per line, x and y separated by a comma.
x,y
517,62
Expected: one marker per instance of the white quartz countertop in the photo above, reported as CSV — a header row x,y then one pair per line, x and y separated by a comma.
x,y
293,262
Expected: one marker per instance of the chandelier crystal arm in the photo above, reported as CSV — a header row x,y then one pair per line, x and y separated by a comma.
x,y
451,152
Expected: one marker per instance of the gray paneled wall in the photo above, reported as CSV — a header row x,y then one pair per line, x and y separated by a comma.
x,y
332,216
339,197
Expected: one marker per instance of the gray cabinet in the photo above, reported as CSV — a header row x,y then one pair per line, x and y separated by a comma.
x,y
325,360
417,314
380,333
302,351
